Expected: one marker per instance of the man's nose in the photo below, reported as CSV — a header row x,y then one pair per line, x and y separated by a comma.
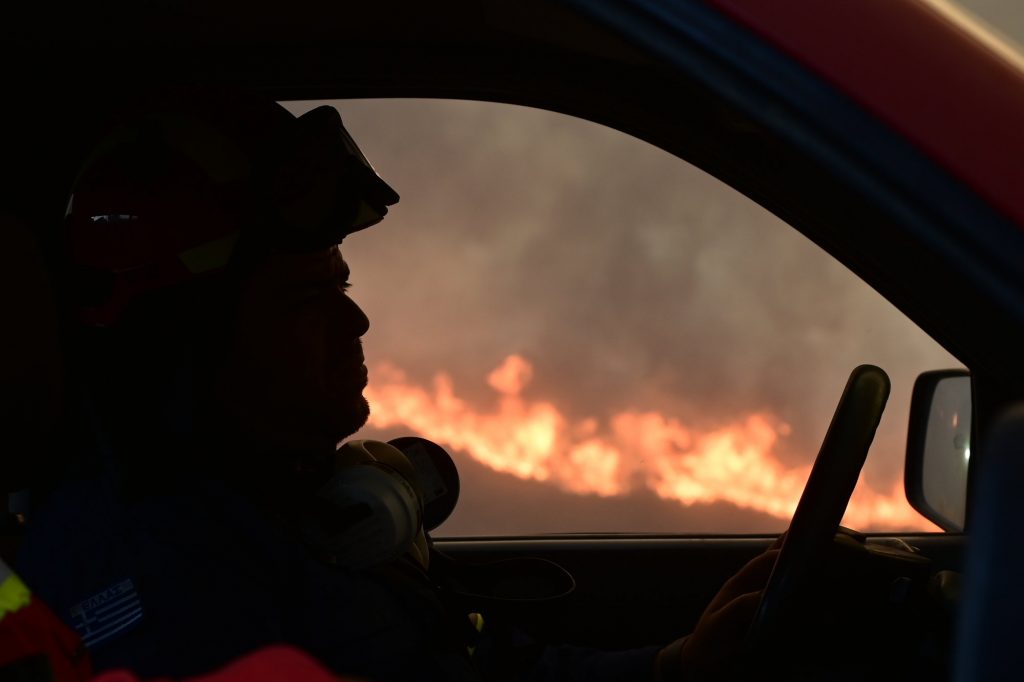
x,y
350,318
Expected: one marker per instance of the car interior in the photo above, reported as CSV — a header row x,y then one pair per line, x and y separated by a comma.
x,y
703,89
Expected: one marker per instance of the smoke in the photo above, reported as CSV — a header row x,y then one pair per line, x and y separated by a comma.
x,y
631,280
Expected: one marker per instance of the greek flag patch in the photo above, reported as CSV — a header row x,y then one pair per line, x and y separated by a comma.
x,y
107,614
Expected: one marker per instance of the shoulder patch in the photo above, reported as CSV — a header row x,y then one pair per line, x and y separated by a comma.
x,y
107,614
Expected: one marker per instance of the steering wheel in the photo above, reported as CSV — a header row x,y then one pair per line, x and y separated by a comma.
x,y
824,499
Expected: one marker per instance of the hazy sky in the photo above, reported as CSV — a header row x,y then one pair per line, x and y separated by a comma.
x,y
631,282
1004,17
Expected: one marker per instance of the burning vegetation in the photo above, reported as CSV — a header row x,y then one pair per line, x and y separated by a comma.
x,y
533,440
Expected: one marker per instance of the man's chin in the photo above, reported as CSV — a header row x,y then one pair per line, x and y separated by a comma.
x,y
349,419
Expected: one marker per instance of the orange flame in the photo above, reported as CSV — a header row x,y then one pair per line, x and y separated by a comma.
x,y
534,440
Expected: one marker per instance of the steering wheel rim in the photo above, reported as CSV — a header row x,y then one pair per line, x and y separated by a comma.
x,y
824,498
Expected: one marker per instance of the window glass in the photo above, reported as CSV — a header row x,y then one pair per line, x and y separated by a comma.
x,y
606,338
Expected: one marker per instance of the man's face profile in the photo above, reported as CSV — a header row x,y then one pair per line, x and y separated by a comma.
x,y
294,374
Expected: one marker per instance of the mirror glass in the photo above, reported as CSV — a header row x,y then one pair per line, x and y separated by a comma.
x,y
947,449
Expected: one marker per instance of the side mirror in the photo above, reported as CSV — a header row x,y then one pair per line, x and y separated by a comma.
x,y
939,447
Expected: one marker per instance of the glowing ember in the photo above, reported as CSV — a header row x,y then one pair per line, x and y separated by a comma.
x,y
533,440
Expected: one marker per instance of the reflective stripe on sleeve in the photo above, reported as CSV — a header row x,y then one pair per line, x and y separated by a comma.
x,y
14,594
476,620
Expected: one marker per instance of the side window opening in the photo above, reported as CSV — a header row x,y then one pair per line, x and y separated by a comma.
x,y
606,338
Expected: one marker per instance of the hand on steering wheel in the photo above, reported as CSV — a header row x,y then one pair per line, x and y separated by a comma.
x,y
824,499
743,620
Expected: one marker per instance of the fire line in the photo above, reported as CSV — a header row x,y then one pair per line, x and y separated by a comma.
x,y
534,440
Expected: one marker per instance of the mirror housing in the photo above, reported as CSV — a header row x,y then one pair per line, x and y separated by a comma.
x,y
939,447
